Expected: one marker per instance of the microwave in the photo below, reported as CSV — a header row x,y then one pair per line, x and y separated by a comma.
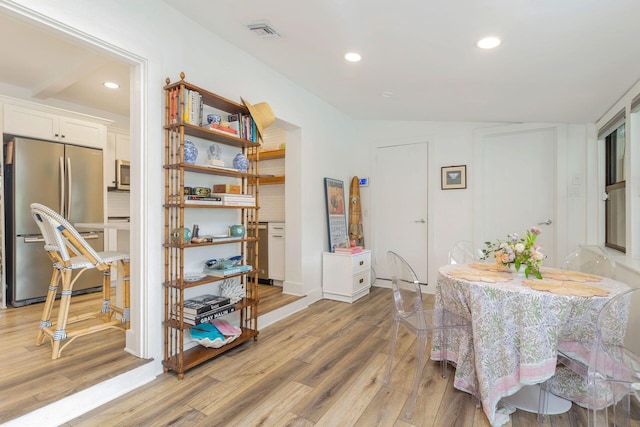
x,y
123,175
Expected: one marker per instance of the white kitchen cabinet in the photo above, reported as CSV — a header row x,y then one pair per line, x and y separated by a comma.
x,y
346,277
48,125
276,250
118,148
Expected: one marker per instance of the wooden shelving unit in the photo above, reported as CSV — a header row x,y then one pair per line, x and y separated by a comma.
x,y
271,155
178,355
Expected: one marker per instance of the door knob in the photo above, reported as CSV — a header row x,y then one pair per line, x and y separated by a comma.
x,y
546,222
420,220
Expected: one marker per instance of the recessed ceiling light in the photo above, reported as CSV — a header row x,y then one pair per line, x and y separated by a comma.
x,y
111,85
352,57
387,94
489,43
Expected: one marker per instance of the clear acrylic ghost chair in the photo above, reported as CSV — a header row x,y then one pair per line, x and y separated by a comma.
x,y
590,259
71,256
614,367
464,252
408,311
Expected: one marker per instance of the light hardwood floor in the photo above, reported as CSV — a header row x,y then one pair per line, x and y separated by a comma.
x,y
322,366
29,379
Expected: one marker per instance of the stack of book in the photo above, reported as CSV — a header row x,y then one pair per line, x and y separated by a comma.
x,y
236,199
185,107
224,129
245,126
202,200
351,250
224,272
205,308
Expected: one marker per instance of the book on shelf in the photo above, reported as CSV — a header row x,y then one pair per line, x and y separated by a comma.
x,y
236,199
202,200
344,250
227,197
209,315
240,204
226,328
204,303
227,271
211,198
227,130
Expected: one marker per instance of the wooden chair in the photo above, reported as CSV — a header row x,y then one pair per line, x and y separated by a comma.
x,y
71,255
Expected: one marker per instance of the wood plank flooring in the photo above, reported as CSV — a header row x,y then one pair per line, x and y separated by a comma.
x,y
322,366
271,298
29,379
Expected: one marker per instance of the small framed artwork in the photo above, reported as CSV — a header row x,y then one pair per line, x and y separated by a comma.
x,y
336,213
454,177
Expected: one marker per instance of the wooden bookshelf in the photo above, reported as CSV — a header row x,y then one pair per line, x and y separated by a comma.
x,y
272,154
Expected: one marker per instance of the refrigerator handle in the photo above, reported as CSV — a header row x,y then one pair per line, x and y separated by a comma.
x,y
69,187
62,186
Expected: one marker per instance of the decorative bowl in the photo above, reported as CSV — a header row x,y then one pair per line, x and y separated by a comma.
x,y
222,263
201,191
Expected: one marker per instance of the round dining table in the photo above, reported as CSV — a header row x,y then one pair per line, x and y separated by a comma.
x,y
516,331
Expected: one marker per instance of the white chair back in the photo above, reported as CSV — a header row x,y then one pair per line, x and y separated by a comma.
x,y
464,252
590,259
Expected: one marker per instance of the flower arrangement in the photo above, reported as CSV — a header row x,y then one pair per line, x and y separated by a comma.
x,y
518,251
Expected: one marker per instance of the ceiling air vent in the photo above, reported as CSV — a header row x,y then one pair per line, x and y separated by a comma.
x,y
263,30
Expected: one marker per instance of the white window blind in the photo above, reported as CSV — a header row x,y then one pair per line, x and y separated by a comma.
x,y
635,104
613,124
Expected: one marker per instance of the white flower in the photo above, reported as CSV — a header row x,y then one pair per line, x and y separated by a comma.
x,y
537,255
519,247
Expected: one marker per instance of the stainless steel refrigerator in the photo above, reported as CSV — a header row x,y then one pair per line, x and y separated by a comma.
x,y
66,178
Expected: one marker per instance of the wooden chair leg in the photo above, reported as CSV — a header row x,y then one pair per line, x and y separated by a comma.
x,y
106,294
126,294
65,300
45,319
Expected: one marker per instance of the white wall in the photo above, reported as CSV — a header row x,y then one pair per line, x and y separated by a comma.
x,y
451,212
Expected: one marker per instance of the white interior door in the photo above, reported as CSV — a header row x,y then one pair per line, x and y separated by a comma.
x,y
399,191
516,175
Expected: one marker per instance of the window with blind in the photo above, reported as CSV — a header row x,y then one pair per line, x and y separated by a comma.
x,y
613,134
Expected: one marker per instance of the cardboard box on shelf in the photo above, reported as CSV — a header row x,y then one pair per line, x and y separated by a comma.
x,y
226,188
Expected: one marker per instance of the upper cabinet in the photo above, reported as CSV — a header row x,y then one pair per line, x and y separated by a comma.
x,y
50,125
118,148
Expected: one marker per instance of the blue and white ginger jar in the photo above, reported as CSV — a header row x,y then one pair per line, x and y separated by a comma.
x,y
190,152
240,162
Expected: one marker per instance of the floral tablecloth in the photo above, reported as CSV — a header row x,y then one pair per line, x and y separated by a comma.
x,y
516,334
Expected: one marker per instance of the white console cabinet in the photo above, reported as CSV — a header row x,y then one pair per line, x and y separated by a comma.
x,y
346,277
33,123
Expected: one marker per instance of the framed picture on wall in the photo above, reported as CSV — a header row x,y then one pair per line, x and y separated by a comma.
x,y
336,213
454,177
